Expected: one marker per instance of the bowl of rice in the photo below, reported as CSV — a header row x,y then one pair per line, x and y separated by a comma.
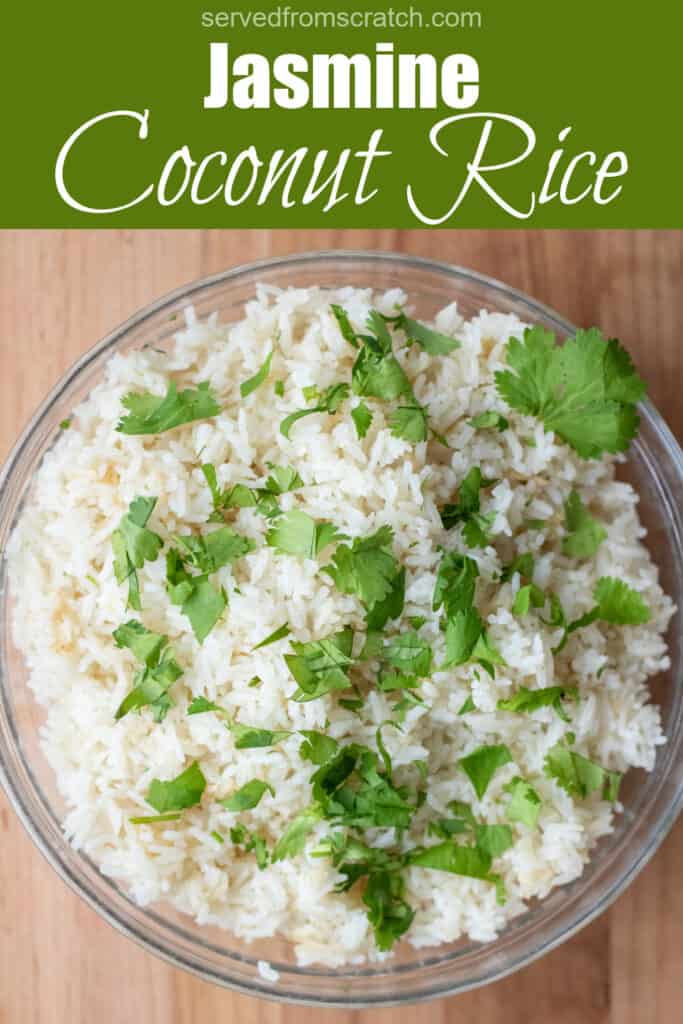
x,y
340,660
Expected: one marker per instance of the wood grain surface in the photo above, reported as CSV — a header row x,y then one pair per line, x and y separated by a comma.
x,y
59,292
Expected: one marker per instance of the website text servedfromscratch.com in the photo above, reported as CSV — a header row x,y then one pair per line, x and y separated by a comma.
x,y
288,17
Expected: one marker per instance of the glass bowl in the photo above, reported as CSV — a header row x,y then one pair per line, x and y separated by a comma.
x,y
652,801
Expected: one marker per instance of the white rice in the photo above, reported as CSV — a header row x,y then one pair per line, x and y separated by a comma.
x,y
67,602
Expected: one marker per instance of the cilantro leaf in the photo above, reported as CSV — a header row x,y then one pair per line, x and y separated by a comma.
x,y
369,800
409,654
462,633
214,550
469,861
523,564
282,479
482,764
467,706
328,401
152,414
489,421
433,342
527,597
317,747
390,607
248,796
296,533
176,794
252,842
247,386
410,423
616,603
278,634
525,803
344,324
584,533
199,600
199,705
493,840
250,736
467,510
585,390
376,372
367,568
321,666
293,839
160,670
548,696
152,819
455,583
362,418
388,912
133,545
578,776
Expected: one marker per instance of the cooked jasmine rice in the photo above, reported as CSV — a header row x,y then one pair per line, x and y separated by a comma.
x,y
68,602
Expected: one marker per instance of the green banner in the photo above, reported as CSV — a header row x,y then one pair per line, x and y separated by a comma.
x,y
262,114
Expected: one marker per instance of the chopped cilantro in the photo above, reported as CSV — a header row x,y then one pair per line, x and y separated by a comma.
x,y
467,706
584,533
344,324
282,479
152,414
248,796
218,837
467,510
466,640
578,776
252,843
529,596
296,533
254,681
585,390
410,423
65,424
279,388
321,666
377,372
362,418
199,600
352,791
455,583
525,803
293,839
317,747
433,342
366,568
409,654
548,696
417,621
390,607
214,550
469,861
152,819
133,545
247,386
522,564
249,736
482,764
278,634
200,705
615,603
489,421
160,670
493,840
176,794
328,401
388,912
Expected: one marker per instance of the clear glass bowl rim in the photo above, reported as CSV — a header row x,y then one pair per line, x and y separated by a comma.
x,y
259,987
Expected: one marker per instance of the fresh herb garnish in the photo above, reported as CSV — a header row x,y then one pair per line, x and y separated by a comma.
x,y
199,600
293,839
214,550
615,603
153,414
296,533
489,421
160,670
176,794
247,386
584,533
362,418
548,696
455,583
410,423
282,479
317,747
248,796
251,843
585,390
279,388
467,640
525,803
278,634
321,666
578,776
328,401
65,424
366,568
152,819
133,545
467,510
482,764
250,736
409,654
529,596
377,372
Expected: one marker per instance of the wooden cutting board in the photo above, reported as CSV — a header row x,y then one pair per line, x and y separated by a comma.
x,y
59,292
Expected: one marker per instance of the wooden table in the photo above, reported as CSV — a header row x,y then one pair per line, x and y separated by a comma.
x,y
59,292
